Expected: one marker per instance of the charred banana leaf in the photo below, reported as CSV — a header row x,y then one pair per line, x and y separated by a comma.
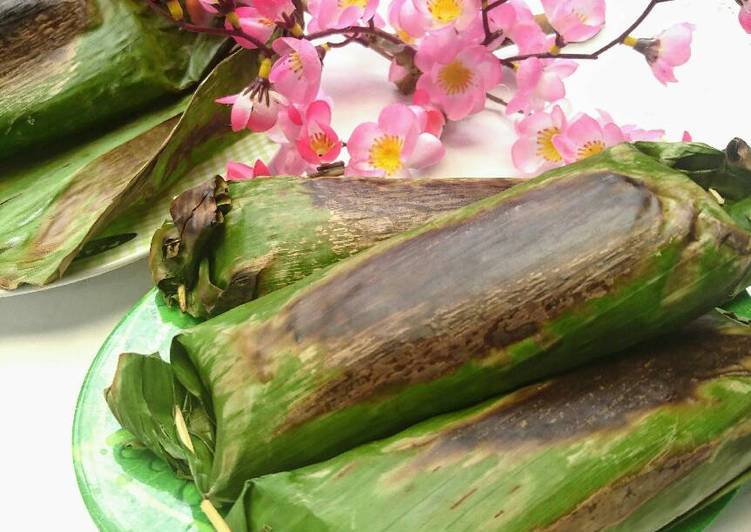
x,y
584,261
230,243
75,66
49,209
626,445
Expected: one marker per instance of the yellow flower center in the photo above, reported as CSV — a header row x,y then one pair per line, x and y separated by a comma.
x,y
589,148
321,143
445,11
386,153
343,4
295,63
455,78
545,147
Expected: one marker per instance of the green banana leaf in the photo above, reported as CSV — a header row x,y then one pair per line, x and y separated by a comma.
x,y
628,445
261,239
584,261
50,209
700,517
249,238
72,69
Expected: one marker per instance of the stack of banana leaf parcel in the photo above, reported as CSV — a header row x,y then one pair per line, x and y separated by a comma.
x,y
451,355
104,109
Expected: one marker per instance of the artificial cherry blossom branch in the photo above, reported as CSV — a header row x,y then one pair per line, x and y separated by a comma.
x,y
445,56
509,61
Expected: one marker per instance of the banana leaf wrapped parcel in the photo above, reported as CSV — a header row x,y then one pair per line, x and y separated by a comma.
x,y
77,66
586,260
51,208
629,444
228,243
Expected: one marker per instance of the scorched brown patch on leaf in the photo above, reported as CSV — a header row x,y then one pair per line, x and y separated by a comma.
x,y
438,310
604,397
113,171
33,29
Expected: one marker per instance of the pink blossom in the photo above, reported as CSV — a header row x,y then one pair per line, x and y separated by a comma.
x,y
392,146
429,118
515,21
297,72
317,142
251,23
586,136
242,172
539,81
669,49
686,137
535,150
276,10
744,15
409,23
288,161
458,14
456,74
575,20
335,14
633,133
288,124
252,113
307,137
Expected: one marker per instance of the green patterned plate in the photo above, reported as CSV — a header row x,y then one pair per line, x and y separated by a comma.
x,y
125,487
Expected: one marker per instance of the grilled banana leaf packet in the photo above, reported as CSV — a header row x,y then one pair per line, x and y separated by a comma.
x,y
630,444
51,208
71,67
586,260
228,243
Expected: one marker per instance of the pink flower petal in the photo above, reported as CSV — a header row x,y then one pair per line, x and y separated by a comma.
x,y
361,139
241,111
260,169
744,17
287,161
263,116
428,151
399,120
238,171
227,100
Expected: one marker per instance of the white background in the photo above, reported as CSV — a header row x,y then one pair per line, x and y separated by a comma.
x,y
48,339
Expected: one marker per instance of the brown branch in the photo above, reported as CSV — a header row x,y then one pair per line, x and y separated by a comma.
x,y
495,99
357,30
597,53
343,43
377,49
495,4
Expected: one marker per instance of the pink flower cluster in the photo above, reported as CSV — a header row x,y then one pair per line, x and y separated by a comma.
x,y
548,138
458,53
